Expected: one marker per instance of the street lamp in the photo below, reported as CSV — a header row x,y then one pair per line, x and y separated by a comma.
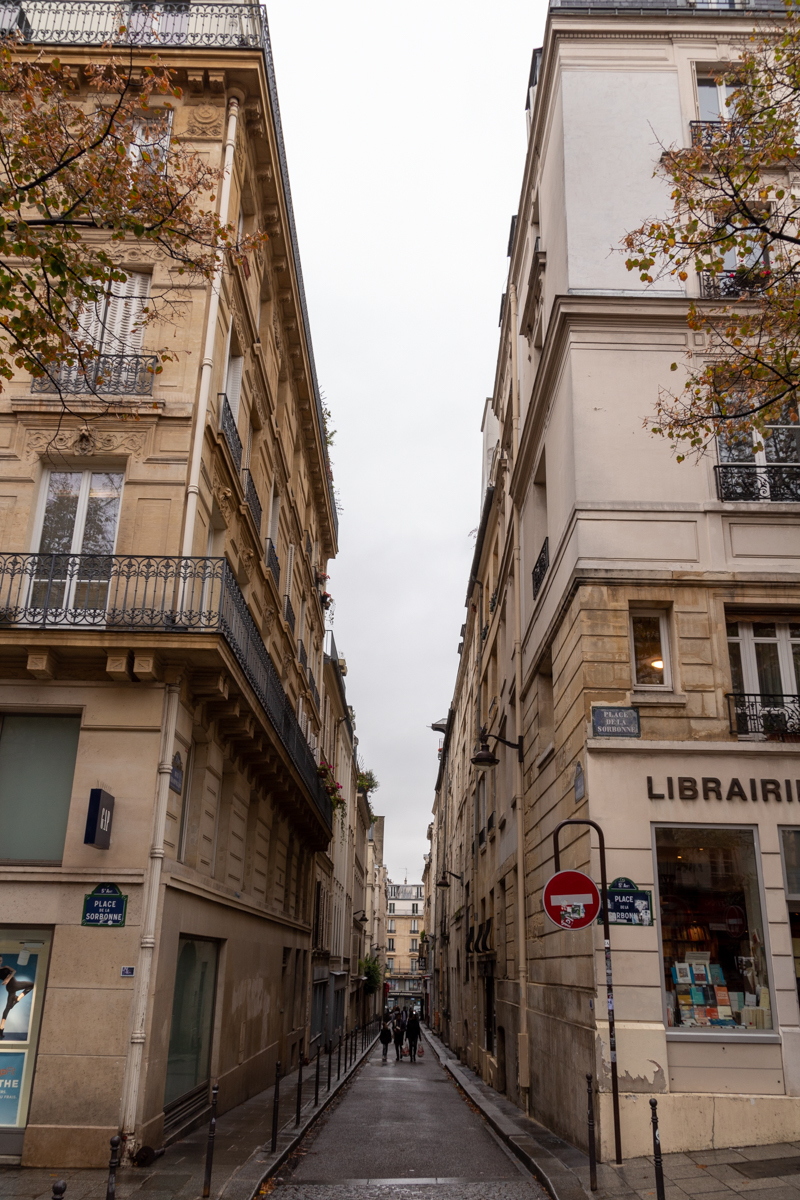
x,y
362,918
445,882
485,759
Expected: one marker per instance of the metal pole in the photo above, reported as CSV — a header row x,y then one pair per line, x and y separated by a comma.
x,y
592,1148
612,1034
275,1104
657,1151
316,1081
299,1088
339,1068
330,1051
212,1133
113,1163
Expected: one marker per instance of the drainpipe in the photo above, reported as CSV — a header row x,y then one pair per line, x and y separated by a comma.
x,y
207,367
150,898
522,949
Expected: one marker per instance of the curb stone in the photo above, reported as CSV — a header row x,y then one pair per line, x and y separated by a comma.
x,y
246,1180
556,1176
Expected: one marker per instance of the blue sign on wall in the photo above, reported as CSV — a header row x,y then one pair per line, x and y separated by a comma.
x,y
628,905
614,721
105,906
11,1069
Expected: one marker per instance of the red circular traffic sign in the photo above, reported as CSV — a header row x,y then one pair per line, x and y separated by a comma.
x,y
571,900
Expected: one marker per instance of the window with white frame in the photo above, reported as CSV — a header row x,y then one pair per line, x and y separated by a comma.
x,y
390,944
391,927
765,658
79,512
761,467
712,97
390,965
413,966
391,907
415,908
649,630
415,926
414,945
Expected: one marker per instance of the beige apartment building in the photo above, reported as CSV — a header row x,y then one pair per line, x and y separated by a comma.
x,y
405,932
631,648
377,904
165,815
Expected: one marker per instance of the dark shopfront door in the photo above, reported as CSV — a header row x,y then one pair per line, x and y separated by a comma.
x,y
189,1060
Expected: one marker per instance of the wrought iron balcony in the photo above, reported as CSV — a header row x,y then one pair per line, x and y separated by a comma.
x,y
227,423
168,595
301,654
108,374
732,285
312,683
776,482
251,496
97,22
774,718
540,570
273,562
288,612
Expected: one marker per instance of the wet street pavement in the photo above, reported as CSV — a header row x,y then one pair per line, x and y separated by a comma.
x,y
403,1131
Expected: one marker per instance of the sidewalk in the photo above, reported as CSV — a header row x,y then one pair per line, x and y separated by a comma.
x,y
242,1150
769,1172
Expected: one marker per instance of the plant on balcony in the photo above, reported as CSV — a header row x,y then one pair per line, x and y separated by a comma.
x,y
735,220
109,165
333,788
370,968
321,578
326,599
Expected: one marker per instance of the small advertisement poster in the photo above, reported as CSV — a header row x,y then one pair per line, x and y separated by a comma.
x,y
17,980
12,1067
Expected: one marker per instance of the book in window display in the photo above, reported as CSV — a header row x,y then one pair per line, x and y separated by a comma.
x,y
715,968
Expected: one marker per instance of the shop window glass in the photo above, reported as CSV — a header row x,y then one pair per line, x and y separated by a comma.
x,y
189,1057
650,649
37,767
715,961
791,864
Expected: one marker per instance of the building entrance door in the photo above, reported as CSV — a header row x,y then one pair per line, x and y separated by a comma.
x,y
189,1059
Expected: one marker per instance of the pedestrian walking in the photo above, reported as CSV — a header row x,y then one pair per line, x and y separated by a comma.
x,y
385,1039
412,1033
399,1038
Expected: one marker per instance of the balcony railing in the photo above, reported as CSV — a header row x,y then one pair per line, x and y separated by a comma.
x,y
776,482
273,562
168,595
108,374
540,570
312,683
227,423
288,612
96,22
732,285
773,718
251,496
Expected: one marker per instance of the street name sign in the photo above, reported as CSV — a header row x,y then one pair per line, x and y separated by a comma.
x,y
571,900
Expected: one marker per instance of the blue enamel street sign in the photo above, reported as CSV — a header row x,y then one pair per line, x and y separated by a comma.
x,y
614,721
104,906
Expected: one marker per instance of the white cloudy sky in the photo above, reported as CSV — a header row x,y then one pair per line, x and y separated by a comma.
x,y
405,134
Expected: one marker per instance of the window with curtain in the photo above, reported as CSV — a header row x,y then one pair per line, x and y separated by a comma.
x,y
37,768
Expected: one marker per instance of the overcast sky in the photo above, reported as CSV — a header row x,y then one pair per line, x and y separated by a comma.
x,y
405,136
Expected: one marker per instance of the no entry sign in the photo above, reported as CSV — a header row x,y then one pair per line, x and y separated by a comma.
x,y
571,900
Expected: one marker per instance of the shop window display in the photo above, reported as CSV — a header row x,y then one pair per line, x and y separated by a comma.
x,y
712,929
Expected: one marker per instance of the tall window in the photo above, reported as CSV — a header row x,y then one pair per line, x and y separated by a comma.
x,y
415,908
415,926
414,945
650,640
78,516
37,766
712,99
755,467
390,944
791,866
712,929
391,907
391,927
390,965
765,658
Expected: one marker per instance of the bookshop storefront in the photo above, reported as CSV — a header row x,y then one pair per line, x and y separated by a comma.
x,y
707,1008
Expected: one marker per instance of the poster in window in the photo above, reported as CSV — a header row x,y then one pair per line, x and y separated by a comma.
x,y
12,1067
17,981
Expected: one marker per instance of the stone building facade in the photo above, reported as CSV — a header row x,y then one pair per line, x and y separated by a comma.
x,y
405,927
631,648
164,818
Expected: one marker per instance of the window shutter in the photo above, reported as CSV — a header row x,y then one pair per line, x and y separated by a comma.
x,y
233,382
122,331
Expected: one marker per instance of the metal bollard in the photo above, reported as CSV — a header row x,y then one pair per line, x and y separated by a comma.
x,y
212,1133
339,1068
113,1163
275,1104
657,1151
299,1089
316,1081
330,1051
59,1187
592,1148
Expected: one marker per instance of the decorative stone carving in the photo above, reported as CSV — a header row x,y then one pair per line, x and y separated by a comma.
x,y
223,496
85,441
238,323
248,561
205,121
268,621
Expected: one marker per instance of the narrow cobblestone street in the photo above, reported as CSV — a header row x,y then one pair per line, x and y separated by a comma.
x,y
403,1131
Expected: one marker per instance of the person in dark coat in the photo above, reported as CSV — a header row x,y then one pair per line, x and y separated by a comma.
x,y
385,1037
399,1037
412,1033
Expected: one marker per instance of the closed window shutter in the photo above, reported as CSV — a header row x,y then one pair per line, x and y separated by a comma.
x,y
233,382
122,331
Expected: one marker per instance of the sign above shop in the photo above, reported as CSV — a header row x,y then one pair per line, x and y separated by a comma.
x,y
628,905
708,787
106,905
613,721
98,819
571,900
